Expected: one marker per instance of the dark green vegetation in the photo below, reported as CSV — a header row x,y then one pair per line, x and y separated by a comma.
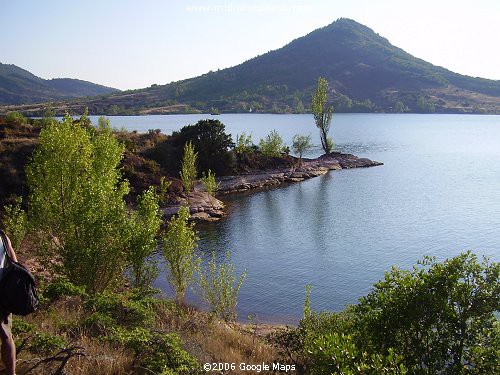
x,y
18,86
365,72
438,318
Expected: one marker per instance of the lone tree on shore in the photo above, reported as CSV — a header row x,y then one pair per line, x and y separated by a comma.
x,y
322,114
301,144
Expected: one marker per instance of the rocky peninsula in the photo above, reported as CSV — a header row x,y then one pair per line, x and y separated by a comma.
x,y
204,207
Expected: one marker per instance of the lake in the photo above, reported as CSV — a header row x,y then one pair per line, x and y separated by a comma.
x,y
438,193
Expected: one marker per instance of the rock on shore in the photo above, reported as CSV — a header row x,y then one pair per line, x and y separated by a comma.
x,y
202,206
310,168
206,208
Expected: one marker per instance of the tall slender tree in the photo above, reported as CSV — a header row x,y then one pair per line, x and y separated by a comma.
x,y
188,167
322,114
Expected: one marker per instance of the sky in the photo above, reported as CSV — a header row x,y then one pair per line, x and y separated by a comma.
x,y
131,44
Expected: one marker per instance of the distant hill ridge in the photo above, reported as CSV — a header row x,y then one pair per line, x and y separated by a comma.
x,y
18,86
365,71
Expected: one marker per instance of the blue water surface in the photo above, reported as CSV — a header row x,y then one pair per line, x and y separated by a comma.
x,y
438,193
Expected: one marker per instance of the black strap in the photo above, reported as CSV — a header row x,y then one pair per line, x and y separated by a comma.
x,y
5,246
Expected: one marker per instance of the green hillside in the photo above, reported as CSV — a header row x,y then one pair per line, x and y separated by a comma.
x,y
365,71
18,86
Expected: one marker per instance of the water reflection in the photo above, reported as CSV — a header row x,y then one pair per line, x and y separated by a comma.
x,y
436,194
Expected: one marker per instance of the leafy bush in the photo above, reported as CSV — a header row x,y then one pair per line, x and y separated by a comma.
x,y
301,144
437,318
98,324
436,315
338,354
61,287
21,327
15,118
164,352
244,144
179,243
46,343
219,288
159,353
15,222
209,182
163,190
76,196
272,145
145,224
123,308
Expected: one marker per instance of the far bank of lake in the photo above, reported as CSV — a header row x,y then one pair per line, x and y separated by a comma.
x,y
436,194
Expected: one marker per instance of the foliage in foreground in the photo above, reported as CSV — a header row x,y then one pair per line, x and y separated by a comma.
x,y
436,318
179,244
219,288
125,322
77,205
145,224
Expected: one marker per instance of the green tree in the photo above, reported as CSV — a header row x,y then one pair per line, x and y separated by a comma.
x,y
210,140
179,244
272,145
219,288
76,202
103,122
301,144
299,107
244,144
343,103
399,107
145,224
210,183
163,190
322,113
424,106
188,171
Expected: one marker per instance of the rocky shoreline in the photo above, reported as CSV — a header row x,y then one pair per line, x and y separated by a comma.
x,y
206,208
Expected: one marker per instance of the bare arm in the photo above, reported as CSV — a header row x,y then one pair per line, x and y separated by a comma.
x,y
11,251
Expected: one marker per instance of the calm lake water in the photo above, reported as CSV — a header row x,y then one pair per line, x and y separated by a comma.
x,y
438,193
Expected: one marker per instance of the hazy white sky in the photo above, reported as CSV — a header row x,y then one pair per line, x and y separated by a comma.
x,y
133,44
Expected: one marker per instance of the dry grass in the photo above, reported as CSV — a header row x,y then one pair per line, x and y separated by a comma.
x,y
205,339
214,341
231,344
